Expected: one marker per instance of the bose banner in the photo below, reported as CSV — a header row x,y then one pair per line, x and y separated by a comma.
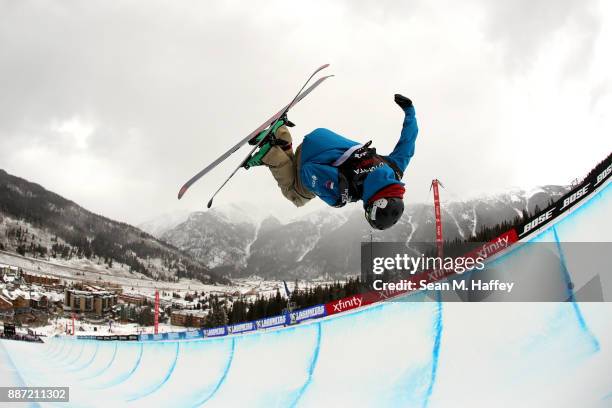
x,y
593,181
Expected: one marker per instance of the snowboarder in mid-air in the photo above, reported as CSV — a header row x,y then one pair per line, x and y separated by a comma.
x,y
336,169
339,170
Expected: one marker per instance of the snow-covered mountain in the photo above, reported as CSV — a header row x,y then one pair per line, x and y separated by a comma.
x,y
42,225
236,213
326,242
156,226
218,238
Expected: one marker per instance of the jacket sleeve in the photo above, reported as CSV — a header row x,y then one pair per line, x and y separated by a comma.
x,y
404,149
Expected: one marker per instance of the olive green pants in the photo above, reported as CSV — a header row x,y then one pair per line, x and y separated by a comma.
x,y
285,168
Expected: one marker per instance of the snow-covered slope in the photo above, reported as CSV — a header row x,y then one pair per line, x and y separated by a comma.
x,y
40,224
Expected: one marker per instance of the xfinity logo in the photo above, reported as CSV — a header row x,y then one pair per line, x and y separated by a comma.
x,y
537,221
347,304
436,274
493,247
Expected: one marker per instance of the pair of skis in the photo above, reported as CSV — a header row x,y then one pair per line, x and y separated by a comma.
x,y
269,124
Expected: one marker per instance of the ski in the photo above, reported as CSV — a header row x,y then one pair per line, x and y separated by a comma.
x,y
281,113
280,117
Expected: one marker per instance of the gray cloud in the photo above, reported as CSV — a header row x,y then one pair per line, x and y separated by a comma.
x,y
116,104
523,27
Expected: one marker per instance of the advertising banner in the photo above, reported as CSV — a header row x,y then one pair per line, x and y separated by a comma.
x,y
274,321
593,180
242,328
305,314
344,304
193,334
216,332
172,336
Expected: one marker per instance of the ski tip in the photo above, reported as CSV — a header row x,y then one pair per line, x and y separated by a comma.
x,y
209,203
181,192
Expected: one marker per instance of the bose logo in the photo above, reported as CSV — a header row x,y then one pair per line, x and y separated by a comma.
x,y
572,199
604,174
538,221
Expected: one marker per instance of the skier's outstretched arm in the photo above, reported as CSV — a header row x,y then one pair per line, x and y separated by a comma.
x,y
404,150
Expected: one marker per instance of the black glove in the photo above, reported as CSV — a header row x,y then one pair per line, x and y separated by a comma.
x,y
402,101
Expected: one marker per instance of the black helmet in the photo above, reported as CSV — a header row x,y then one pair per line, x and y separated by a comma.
x,y
384,212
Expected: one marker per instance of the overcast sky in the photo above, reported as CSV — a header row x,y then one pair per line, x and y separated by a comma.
x,y
115,104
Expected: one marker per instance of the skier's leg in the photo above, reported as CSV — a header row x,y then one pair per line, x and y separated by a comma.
x,y
283,165
283,134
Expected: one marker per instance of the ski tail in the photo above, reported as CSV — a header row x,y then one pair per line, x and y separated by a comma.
x,y
294,100
300,95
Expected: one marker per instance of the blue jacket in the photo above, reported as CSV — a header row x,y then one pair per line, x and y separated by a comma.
x,y
322,147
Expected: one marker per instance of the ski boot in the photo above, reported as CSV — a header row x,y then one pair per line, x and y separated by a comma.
x,y
266,140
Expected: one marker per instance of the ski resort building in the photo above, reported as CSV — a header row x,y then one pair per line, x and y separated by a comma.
x,y
8,270
39,301
40,279
6,305
137,300
21,302
10,274
89,300
188,318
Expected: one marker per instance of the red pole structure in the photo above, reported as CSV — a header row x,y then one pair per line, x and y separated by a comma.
x,y
156,310
439,242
